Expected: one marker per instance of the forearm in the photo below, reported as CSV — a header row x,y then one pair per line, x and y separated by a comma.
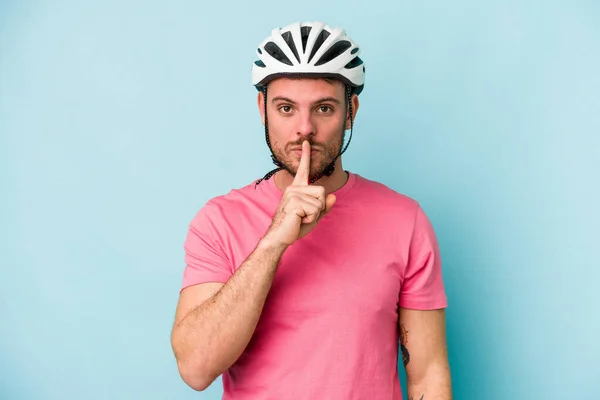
x,y
211,337
434,384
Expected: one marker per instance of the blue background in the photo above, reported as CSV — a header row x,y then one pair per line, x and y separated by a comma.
x,y
118,120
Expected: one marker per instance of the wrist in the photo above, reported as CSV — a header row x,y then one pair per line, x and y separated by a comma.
x,y
271,244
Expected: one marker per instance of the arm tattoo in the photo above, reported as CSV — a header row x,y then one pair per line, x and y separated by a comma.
x,y
405,354
403,343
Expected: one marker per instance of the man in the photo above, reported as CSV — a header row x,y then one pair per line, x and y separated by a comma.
x,y
302,284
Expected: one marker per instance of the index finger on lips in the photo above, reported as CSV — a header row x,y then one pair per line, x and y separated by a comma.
x,y
303,172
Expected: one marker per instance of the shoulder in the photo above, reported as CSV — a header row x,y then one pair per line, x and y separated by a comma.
x,y
398,214
235,195
382,195
215,208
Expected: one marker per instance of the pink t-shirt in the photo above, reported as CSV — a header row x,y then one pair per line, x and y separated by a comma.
x,y
329,329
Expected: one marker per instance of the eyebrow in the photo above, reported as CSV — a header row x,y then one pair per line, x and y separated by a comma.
x,y
321,100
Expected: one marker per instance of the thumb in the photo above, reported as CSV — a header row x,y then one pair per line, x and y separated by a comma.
x,y
329,202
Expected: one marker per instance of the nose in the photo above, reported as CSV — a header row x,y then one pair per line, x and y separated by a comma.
x,y
306,126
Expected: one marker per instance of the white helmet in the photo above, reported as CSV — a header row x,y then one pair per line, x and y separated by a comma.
x,y
309,49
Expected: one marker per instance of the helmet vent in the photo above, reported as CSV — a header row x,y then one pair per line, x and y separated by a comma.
x,y
287,36
356,61
320,39
334,51
275,52
304,32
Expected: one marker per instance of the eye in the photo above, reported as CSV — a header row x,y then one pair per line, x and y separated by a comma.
x,y
325,109
286,109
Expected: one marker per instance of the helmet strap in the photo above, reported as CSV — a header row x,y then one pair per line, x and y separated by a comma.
x,y
273,158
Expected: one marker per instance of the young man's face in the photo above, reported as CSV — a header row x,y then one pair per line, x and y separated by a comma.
x,y
306,109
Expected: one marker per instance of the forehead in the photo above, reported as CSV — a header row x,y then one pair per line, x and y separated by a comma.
x,y
306,89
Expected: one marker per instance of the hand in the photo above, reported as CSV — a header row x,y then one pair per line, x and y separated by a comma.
x,y
301,207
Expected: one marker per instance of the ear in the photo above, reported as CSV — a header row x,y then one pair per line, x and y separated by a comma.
x,y
355,104
261,106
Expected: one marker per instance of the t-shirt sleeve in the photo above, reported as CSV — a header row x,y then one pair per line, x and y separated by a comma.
x,y
205,260
423,285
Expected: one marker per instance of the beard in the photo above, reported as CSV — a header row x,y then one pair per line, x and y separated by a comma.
x,y
319,164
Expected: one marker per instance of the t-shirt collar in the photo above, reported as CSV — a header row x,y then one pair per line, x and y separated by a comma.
x,y
338,193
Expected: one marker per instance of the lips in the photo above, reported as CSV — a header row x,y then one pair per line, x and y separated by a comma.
x,y
298,151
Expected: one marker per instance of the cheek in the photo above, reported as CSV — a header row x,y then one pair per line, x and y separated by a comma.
x,y
280,132
330,127
280,125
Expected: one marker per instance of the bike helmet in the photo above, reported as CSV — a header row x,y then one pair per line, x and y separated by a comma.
x,y
308,50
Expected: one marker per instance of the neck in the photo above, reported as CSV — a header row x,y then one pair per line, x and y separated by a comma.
x,y
283,179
